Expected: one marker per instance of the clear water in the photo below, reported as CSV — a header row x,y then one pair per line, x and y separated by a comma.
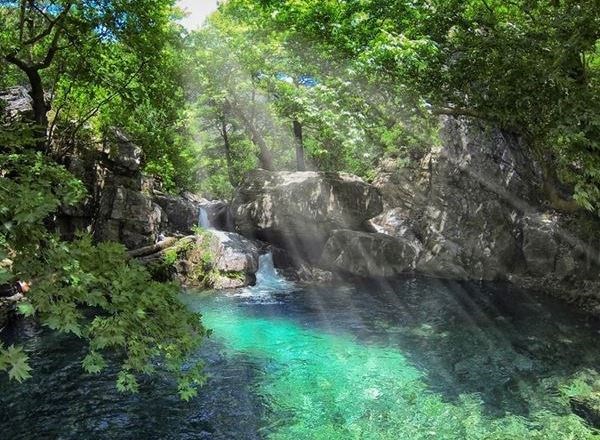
x,y
409,359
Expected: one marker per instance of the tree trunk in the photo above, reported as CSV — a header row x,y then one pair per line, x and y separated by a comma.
x,y
227,146
300,163
264,157
40,107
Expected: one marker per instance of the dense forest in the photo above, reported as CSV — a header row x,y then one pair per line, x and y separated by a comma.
x,y
274,84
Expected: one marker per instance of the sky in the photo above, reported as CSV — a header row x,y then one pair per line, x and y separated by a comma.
x,y
198,10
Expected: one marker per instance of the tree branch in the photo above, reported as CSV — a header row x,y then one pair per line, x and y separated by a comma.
x,y
106,100
57,34
12,58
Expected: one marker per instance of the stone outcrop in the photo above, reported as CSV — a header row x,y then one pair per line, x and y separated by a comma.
x,y
475,210
126,213
213,259
124,205
299,210
181,214
367,254
15,104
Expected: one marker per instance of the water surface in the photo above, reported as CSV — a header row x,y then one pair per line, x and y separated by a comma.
x,y
405,359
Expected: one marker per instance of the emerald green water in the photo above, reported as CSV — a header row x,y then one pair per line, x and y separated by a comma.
x,y
327,383
404,359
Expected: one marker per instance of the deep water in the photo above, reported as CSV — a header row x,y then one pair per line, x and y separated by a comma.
x,y
403,359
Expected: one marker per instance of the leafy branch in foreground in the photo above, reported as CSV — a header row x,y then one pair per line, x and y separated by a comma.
x,y
91,291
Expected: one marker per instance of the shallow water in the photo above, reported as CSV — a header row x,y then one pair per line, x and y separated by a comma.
x,y
408,359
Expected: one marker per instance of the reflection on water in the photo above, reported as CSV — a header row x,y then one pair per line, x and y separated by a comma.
x,y
412,358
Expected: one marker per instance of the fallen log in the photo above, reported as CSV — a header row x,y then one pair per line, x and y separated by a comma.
x,y
154,248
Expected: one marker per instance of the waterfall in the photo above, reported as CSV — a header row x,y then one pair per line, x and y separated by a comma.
x,y
268,283
203,220
267,275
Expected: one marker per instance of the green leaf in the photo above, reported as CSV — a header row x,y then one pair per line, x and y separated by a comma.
x,y
26,309
16,360
93,363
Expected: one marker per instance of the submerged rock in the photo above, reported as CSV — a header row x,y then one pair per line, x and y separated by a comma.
x,y
588,408
299,210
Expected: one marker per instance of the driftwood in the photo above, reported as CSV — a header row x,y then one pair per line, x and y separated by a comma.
x,y
153,249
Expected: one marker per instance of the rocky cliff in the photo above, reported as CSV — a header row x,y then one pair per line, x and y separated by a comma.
x,y
472,209
476,210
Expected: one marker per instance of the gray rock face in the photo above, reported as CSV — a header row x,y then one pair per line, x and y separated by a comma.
x,y
218,260
15,104
540,247
181,215
125,155
299,210
368,255
474,209
233,253
460,203
125,214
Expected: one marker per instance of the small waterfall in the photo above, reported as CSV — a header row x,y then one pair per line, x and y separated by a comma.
x,y
268,283
203,220
267,275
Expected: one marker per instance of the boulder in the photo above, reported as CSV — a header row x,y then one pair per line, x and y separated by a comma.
x,y
233,253
540,245
127,216
181,214
299,210
395,222
16,104
216,259
125,155
368,255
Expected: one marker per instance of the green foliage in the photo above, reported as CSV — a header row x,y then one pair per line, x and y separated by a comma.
x,y
13,360
92,291
104,64
251,79
530,67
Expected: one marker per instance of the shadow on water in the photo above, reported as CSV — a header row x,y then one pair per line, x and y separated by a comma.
x,y
60,401
491,339
376,359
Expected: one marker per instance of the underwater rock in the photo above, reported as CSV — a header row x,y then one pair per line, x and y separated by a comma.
x,y
588,408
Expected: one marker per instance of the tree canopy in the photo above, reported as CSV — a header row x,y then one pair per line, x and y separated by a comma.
x,y
388,69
